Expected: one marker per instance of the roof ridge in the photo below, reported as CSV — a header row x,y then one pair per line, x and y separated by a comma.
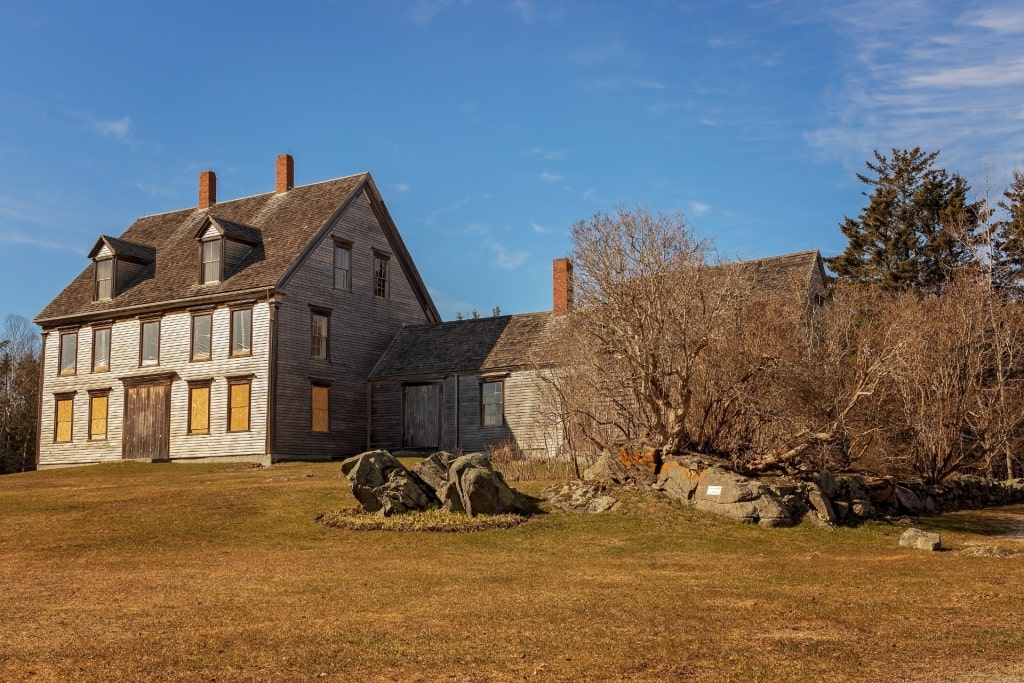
x,y
251,196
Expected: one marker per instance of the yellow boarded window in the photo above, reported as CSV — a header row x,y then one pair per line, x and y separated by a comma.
x,y
97,417
238,415
65,410
321,414
199,410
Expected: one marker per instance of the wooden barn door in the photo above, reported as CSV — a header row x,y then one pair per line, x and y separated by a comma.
x,y
421,426
147,409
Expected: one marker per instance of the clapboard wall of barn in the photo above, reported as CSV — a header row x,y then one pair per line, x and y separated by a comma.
x,y
530,423
361,327
124,364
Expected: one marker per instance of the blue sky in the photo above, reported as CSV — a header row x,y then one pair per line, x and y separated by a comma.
x,y
490,126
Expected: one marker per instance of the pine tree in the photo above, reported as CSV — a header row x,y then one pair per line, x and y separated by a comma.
x,y
1008,236
916,229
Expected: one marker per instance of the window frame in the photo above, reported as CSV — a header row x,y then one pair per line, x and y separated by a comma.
x,y
233,333
219,241
381,276
192,358
96,278
143,325
339,247
57,400
193,385
325,313
500,403
110,333
105,395
324,385
72,370
245,381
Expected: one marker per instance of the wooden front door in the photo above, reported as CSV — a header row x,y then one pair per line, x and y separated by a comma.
x,y
421,426
147,411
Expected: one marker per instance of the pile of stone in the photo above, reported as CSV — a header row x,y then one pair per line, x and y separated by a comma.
x,y
824,498
466,484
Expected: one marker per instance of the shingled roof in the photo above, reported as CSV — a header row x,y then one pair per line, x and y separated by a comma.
x,y
504,342
283,224
529,340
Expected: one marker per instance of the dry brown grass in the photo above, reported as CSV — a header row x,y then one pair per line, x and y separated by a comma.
x,y
203,572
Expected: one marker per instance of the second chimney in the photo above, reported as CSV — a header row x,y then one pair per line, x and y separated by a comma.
x,y
561,285
285,173
207,189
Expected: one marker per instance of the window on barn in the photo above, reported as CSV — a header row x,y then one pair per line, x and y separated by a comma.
x,y
343,266
64,411
241,332
320,337
380,276
199,407
98,402
239,394
100,349
104,279
202,336
492,399
68,352
149,343
321,414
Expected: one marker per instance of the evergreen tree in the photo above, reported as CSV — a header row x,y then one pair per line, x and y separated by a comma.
x,y
917,228
1008,236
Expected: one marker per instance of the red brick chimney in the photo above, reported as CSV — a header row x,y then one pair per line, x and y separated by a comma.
x,y
285,173
207,189
561,285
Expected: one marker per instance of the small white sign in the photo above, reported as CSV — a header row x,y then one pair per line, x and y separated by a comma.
x,y
714,490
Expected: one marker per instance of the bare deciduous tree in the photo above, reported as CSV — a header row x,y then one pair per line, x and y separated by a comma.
x,y
19,390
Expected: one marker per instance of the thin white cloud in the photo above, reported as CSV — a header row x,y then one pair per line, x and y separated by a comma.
x,y
525,9
923,74
546,154
699,208
505,258
17,238
424,11
539,229
118,129
153,190
16,210
477,229
624,82
549,177
402,187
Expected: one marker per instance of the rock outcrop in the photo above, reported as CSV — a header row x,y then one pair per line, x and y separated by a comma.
x,y
467,484
581,496
722,492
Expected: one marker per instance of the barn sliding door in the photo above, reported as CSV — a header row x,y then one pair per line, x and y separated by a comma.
x,y
147,421
421,426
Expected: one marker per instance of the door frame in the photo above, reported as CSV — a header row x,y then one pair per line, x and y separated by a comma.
x,y
439,386
129,383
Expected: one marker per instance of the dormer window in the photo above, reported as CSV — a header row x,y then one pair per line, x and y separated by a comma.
x,y
212,262
225,247
104,279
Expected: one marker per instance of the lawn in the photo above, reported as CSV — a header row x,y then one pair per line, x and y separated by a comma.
x,y
221,573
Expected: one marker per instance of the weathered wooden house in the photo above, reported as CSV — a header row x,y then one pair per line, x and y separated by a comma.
x,y
244,329
474,384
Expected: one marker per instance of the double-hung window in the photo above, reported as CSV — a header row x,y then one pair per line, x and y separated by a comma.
x,y
320,334
211,269
241,332
492,399
202,336
104,279
380,276
342,266
100,349
149,343
68,353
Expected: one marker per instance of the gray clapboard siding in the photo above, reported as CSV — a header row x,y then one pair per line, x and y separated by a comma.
x,y
361,327
175,331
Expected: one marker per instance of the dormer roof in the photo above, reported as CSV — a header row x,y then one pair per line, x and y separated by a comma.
x,y
239,232
132,251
